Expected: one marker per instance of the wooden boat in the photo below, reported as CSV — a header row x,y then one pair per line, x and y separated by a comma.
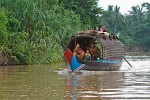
x,y
112,51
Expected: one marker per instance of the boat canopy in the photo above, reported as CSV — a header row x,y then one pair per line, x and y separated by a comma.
x,y
110,46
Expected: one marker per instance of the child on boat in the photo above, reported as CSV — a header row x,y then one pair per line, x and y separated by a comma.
x,y
87,55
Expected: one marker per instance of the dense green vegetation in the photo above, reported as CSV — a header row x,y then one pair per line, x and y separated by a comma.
x,y
133,27
88,11
37,31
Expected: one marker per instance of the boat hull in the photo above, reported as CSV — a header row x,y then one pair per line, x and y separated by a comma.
x,y
101,66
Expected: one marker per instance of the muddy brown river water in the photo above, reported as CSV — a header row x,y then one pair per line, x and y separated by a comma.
x,y
55,82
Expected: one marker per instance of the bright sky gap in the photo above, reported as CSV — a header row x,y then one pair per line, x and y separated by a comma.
x,y
125,5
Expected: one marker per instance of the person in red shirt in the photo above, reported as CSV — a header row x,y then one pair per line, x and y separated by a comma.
x,y
102,28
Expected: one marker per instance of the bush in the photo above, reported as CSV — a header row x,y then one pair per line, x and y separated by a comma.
x,y
3,27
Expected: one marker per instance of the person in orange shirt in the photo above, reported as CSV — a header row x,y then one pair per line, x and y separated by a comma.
x,y
78,52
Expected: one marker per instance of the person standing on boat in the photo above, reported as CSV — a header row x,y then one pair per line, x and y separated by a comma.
x,y
95,52
78,52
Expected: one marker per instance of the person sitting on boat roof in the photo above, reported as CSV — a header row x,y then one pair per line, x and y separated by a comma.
x,y
95,52
102,28
87,55
78,52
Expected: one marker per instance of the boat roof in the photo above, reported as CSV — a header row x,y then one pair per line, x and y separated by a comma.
x,y
112,47
91,33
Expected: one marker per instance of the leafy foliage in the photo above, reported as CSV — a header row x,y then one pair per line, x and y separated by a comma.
x,y
3,27
38,30
87,9
17,48
133,27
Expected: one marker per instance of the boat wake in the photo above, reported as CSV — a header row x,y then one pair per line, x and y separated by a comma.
x,y
64,72
138,66
68,72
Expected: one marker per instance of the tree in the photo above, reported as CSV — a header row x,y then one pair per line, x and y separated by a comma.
x,y
3,27
147,11
113,19
133,27
136,14
87,9
116,17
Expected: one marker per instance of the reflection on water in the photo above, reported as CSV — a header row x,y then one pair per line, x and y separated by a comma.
x,y
53,82
31,83
79,86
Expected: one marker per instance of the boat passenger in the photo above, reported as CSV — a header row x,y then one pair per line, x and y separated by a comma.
x,y
87,55
102,28
95,52
79,52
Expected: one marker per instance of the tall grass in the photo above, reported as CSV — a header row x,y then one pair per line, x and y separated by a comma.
x,y
38,30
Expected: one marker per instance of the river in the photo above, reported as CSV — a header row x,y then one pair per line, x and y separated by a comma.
x,y
55,82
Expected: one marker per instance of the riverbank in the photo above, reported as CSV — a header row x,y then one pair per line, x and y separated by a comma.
x,y
7,61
